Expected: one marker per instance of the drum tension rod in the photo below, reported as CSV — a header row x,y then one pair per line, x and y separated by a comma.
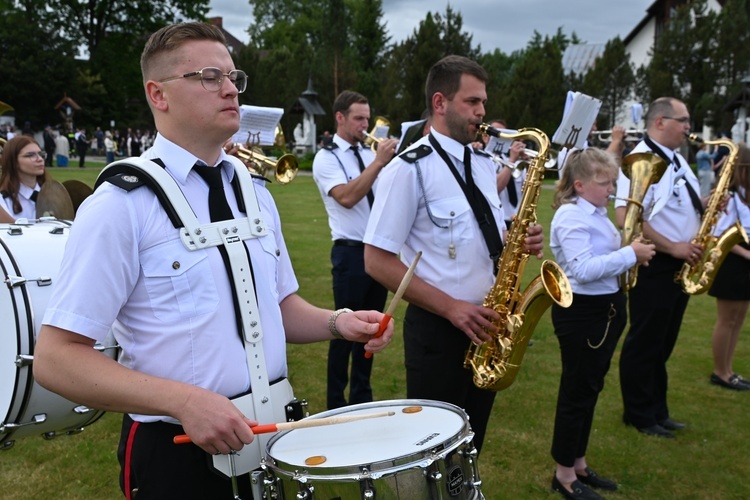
x,y
14,281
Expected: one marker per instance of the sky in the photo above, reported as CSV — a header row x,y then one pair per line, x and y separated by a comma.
x,y
504,24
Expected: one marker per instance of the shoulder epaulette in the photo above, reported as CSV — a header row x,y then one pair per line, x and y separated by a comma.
x,y
482,152
412,155
126,181
331,146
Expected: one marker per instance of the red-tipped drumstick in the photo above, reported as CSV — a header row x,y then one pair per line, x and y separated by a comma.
x,y
300,424
396,299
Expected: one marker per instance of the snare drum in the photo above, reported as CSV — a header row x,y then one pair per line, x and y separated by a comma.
x,y
424,451
30,256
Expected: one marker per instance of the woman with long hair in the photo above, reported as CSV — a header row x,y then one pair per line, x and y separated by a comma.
x,y
22,176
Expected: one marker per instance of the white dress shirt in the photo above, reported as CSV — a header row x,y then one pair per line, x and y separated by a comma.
x,y
28,207
333,168
170,309
667,206
586,245
433,216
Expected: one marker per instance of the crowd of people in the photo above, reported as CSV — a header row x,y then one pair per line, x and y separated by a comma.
x,y
60,146
189,351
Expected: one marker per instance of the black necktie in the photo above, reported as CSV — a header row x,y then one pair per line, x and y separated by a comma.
x,y
217,200
370,196
467,170
34,196
219,209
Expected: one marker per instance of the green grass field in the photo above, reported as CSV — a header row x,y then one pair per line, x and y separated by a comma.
x,y
709,460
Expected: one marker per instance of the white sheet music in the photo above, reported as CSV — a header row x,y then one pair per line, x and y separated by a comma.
x,y
578,118
260,123
498,146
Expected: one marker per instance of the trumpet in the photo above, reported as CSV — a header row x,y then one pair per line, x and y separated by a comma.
x,y
285,168
370,138
631,135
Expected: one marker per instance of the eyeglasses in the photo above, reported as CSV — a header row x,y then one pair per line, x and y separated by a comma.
x,y
684,119
33,156
212,79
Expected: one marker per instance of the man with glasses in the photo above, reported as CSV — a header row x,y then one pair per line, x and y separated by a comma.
x,y
671,218
172,309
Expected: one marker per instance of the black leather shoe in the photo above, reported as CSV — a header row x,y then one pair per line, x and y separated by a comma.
x,y
596,481
580,491
736,382
672,425
655,431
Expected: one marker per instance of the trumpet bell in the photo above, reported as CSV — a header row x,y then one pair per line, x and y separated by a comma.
x,y
371,138
285,168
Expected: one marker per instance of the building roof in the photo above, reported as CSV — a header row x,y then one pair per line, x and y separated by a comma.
x,y
233,44
579,58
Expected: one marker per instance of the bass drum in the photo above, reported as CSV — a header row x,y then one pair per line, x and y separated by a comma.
x,y
30,256
424,451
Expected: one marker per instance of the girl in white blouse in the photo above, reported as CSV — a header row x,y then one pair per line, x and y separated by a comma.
x,y
587,246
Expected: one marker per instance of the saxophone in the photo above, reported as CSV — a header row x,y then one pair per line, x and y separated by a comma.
x,y
699,278
495,363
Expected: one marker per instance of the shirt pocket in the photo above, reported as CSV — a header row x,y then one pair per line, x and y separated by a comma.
x,y
270,257
180,283
452,218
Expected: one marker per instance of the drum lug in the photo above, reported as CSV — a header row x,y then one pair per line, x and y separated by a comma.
x,y
307,493
36,419
7,445
82,409
24,360
14,281
52,434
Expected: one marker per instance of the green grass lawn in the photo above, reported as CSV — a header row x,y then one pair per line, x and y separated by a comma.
x,y
708,460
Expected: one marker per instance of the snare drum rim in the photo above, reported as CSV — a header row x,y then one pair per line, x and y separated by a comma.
x,y
376,470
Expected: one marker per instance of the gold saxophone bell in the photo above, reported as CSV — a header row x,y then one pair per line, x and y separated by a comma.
x,y
495,364
285,168
371,140
643,170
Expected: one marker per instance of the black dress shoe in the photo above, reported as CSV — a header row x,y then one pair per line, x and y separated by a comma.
x,y
580,491
655,431
672,425
736,382
596,481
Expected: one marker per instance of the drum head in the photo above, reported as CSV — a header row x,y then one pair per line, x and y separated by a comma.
x,y
417,426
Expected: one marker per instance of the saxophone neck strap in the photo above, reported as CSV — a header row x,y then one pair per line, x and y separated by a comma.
x,y
694,198
479,206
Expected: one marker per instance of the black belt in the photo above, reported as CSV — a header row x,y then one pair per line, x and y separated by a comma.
x,y
348,243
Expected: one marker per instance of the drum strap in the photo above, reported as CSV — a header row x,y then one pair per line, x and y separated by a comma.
x,y
231,234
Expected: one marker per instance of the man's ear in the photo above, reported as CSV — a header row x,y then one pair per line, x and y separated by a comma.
x,y
156,96
439,102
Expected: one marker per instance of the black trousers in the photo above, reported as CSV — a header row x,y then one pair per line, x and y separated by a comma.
x,y
434,358
588,332
355,289
657,304
153,467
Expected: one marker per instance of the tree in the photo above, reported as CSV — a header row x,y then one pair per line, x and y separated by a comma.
x,y
611,80
33,85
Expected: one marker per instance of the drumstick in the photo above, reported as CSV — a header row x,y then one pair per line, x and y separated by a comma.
x,y
300,424
396,299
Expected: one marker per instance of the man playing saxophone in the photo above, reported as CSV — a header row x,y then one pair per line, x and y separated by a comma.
x,y
672,216
427,200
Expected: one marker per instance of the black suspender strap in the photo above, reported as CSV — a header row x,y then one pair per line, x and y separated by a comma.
x,y
479,205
